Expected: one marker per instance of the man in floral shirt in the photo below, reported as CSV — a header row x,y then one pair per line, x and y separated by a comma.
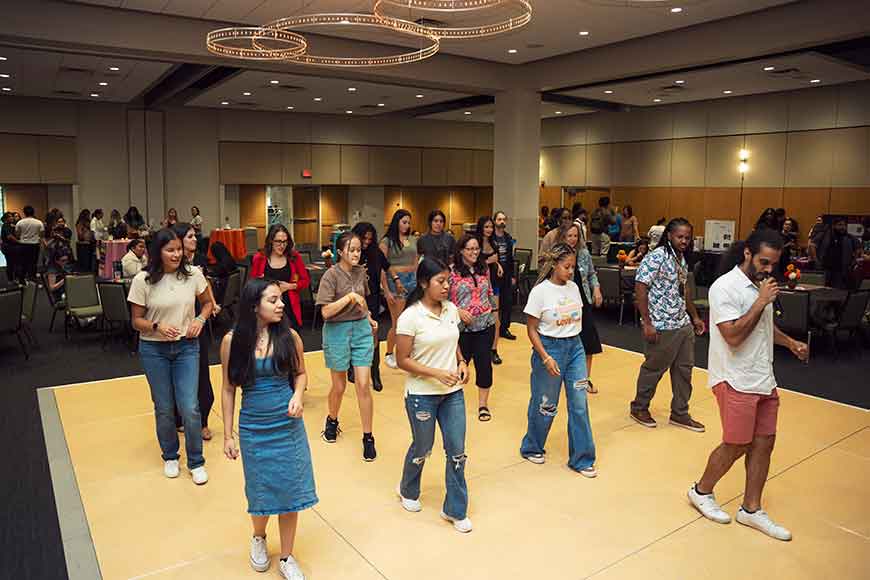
x,y
664,300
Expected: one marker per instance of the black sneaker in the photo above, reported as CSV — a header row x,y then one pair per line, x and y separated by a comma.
x,y
331,430
496,360
507,334
369,452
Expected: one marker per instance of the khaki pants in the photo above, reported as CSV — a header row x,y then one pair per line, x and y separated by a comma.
x,y
674,351
600,244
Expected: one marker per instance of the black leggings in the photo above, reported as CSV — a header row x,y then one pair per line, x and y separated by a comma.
x,y
205,393
477,347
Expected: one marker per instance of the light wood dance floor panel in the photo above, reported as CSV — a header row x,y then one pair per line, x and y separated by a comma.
x,y
530,521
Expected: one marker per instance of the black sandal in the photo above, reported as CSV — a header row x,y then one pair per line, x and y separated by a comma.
x,y
483,414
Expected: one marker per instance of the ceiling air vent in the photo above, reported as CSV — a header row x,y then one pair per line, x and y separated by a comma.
x,y
368,107
670,90
250,104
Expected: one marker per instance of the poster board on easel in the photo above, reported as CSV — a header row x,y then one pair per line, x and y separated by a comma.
x,y
718,235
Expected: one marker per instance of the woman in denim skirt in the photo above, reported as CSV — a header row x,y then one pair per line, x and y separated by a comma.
x,y
554,322
348,331
264,357
399,246
163,298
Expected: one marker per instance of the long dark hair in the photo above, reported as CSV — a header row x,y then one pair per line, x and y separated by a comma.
x,y
479,268
734,256
155,260
226,264
665,239
478,231
242,369
393,231
133,217
767,219
435,213
84,218
427,269
274,229
368,254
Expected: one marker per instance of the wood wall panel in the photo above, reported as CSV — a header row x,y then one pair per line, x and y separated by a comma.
x,y
394,166
766,160
57,160
722,160
482,167
809,159
550,196
392,202
462,208
483,201
721,203
252,209
853,200
355,165
18,195
460,167
326,164
687,202
19,159
333,205
851,157
250,163
804,204
434,170
648,203
689,162
306,206
754,201
294,158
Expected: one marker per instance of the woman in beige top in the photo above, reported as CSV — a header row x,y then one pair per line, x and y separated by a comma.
x,y
399,280
629,231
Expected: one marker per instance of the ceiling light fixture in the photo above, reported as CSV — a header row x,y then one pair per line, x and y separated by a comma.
x,y
245,42
4,76
318,99
680,82
608,92
381,105
351,89
522,8
467,113
768,68
274,82
349,112
512,51
584,33
3,58
225,102
657,100
726,92
247,94
814,81
290,107
114,69
95,95
103,84
676,10
419,96
7,89
558,112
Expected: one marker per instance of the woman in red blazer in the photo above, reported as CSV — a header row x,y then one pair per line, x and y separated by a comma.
x,y
280,262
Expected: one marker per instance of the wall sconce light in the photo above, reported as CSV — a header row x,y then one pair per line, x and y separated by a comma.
x,y
743,167
743,155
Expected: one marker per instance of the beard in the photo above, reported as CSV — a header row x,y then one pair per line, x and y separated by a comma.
x,y
754,274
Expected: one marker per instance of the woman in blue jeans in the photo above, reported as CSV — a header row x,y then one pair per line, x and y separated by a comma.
x,y
163,298
554,322
427,348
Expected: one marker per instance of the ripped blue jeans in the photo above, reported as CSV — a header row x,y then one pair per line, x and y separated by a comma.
x,y
449,412
571,358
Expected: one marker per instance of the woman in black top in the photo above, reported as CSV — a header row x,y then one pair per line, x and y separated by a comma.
x,y
489,256
222,268
374,261
9,246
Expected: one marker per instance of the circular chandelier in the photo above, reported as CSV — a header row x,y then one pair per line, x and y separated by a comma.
x,y
224,42
285,25
522,7
279,39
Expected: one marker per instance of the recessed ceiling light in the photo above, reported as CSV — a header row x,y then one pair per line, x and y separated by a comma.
x,y
381,105
95,95
512,51
225,102
676,10
247,93
351,89
419,96
4,76
349,112
608,92
2,58
726,92
467,113
657,100
769,68
114,69
103,84
558,112
318,99
814,81
584,33
290,107
274,82
345,21
680,82
7,89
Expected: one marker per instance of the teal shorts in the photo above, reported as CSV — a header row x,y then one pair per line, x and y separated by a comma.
x,y
348,343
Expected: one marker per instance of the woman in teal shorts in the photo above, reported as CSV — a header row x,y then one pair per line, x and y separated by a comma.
x,y
348,331
400,249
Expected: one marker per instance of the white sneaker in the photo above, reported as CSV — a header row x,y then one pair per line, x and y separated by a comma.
x,y
536,458
707,505
290,569
200,475
390,361
589,472
463,525
259,555
170,468
762,522
411,505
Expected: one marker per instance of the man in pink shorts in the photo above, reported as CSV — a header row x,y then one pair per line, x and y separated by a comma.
x,y
742,335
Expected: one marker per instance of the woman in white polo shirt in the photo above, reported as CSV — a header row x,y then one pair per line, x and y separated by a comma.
x,y
162,299
427,347
555,318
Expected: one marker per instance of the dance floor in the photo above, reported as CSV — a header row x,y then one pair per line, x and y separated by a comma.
x,y
530,521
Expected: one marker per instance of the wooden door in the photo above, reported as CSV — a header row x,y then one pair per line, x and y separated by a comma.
x,y
16,196
333,210
252,210
306,220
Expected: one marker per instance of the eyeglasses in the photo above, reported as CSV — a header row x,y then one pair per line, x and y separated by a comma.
x,y
280,242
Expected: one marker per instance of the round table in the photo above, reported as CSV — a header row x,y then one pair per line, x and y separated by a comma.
x,y
234,240
113,251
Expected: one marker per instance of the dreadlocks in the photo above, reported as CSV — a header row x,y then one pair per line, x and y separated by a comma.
x,y
665,240
549,260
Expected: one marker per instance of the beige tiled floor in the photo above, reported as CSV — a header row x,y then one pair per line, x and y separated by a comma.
x,y
530,521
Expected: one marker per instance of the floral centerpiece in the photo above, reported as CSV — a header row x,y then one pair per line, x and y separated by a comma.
x,y
327,257
622,258
792,276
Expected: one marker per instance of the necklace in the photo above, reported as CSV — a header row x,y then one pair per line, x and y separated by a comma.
x,y
263,340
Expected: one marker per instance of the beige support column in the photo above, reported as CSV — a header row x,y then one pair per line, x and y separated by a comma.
x,y
517,159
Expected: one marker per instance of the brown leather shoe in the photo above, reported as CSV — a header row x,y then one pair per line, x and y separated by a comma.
x,y
644,418
687,423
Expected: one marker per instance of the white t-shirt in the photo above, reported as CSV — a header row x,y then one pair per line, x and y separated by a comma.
x,y
29,230
171,301
435,340
655,234
559,309
748,368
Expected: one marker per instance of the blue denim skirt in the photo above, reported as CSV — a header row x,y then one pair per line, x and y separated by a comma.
x,y
408,280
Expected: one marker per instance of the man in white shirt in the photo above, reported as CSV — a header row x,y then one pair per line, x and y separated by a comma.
x,y
29,232
740,368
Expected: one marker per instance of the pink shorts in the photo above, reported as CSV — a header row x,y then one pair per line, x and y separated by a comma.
x,y
745,415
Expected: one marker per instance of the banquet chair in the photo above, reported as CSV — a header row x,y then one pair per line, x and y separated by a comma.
x,y
28,310
82,300
116,311
11,302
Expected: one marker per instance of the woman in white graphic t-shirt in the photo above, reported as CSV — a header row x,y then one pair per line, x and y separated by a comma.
x,y
554,322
